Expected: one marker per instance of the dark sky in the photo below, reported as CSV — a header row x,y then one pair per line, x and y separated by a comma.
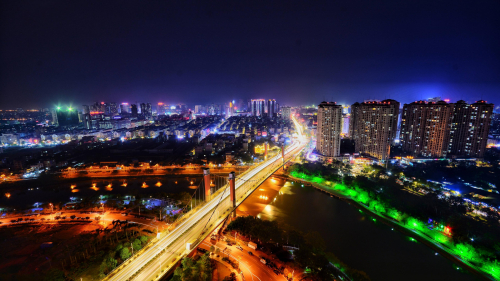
x,y
297,52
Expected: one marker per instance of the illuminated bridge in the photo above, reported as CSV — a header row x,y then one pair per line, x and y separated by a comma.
x,y
211,206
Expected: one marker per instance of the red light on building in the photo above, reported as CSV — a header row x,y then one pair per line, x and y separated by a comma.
x,y
447,230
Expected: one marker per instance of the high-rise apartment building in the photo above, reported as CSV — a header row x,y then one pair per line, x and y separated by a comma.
x,y
258,107
133,110
425,128
111,108
271,108
329,129
286,112
124,108
373,127
146,110
469,129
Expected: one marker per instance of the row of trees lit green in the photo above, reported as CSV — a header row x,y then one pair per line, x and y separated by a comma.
x,y
379,201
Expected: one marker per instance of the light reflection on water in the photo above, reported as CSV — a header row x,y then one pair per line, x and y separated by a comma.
x,y
356,239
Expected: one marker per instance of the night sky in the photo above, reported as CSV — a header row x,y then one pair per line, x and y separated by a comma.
x,y
215,51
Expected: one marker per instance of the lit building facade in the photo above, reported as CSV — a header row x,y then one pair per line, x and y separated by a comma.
x,y
425,128
286,112
373,127
469,129
329,129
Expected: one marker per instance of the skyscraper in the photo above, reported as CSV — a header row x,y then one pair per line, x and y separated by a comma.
x,y
425,128
258,107
373,127
146,110
286,112
124,108
329,129
271,108
111,108
67,117
469,129
133,109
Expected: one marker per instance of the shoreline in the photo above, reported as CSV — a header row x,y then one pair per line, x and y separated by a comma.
x,y
408,232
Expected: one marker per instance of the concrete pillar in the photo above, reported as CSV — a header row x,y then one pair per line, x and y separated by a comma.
x,y
265,148
232,189
206,179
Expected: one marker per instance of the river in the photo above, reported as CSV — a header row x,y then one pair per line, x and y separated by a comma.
x,y
352,236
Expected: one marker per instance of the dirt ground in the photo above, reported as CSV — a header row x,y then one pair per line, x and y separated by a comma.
x,y
74,244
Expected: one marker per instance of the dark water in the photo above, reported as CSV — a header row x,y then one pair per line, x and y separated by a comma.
x,y
61,192
359,241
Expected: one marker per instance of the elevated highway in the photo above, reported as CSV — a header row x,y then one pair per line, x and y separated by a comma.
x,y
159,256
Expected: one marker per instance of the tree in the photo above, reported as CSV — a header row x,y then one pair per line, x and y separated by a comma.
x,y
212,249
73,217
125,253
231,277
144,239
137,245
54,274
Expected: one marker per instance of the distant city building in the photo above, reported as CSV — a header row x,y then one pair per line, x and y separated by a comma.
x,y
435,99
133,110
469,129
198,109
162,109
67,117
272,108
373,127
329,129
262,107
124,108
111,108
258,107
425,128
86,109
146,110
286,112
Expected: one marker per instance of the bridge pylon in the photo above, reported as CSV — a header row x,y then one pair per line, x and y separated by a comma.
x,y
207,180
232,188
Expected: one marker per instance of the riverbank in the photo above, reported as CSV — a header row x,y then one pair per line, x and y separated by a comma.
x,y
415,234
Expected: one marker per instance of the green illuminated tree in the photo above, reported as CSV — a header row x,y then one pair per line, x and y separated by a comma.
x,y
137,245
125,253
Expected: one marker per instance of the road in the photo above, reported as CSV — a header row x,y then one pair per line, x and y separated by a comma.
x,y
192,228
250,265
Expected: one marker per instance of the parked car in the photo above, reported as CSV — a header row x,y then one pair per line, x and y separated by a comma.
x,y
250,253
